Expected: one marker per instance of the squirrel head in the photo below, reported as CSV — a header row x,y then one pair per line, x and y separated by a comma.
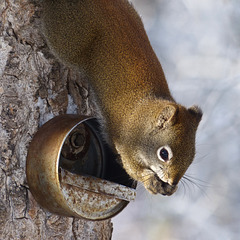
x,y
159,153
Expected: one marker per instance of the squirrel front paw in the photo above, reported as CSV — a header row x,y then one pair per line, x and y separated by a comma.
x,y
155,185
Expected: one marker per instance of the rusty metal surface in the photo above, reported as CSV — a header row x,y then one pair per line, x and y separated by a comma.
x,y
90,205
69,194
98,185
43,161
94,198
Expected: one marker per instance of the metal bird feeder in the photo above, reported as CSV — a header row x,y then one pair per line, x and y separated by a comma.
x,y
72,172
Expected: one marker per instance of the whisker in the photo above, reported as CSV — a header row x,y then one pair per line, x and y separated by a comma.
x,y
201,158
198,180
183,182
200,184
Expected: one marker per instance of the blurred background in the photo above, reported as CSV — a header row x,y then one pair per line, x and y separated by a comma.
x,y
198,44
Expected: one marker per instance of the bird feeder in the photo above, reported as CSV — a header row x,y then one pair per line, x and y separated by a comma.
x,y
72,172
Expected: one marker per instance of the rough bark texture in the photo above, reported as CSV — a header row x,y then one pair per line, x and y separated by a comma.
x,y
34,87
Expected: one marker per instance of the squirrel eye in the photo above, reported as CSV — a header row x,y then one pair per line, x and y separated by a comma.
x,y
164,153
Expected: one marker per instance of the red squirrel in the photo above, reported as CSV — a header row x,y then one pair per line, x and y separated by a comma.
x,y
106,39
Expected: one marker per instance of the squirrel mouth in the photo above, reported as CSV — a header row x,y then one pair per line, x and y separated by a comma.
x,y
156,185
166,188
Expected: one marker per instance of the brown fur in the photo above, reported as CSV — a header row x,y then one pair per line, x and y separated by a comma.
x,y
107,40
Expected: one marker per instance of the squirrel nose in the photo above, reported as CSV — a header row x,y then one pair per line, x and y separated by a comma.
x,y
168,189
172,182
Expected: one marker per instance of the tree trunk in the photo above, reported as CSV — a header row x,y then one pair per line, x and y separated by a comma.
x,y
34,87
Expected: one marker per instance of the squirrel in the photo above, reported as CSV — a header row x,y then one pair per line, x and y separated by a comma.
x,y
106,39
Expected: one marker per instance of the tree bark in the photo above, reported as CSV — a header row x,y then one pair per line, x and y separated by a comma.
x,y
34,87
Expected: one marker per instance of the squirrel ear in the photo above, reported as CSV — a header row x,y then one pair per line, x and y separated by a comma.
x,y
196,112
168,116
